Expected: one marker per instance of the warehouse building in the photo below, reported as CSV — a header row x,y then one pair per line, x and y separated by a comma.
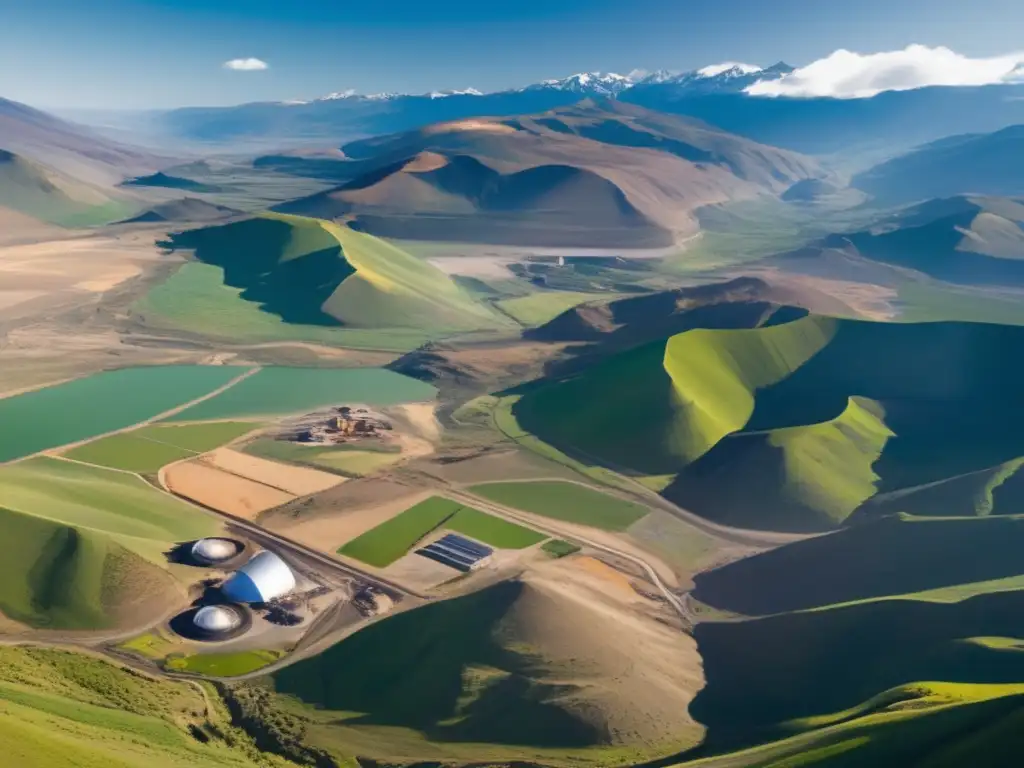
x,y
265,577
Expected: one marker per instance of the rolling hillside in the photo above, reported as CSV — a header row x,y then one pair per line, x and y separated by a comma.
x,y
309,271
521,670
979,164
71,149
596,175
795,426
965,240
49,196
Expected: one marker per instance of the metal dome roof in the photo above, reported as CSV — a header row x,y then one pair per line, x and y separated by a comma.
x,y
214,550
216,618
260,580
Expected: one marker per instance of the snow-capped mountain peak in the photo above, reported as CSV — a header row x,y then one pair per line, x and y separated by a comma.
x,y
590,83
728,69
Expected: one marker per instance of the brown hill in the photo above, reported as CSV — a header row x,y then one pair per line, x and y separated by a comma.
x,y
596,175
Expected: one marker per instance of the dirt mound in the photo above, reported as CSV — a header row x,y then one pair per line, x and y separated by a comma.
x,y
187,209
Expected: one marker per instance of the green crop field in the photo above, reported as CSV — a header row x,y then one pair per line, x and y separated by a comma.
x,y
559,548
68,710
147,449
222,664
348,461
102,500
106,402
565,501
390,540
542,306
294,390
492,530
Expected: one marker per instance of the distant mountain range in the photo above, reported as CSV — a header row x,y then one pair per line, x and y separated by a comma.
x,y
716,94
598,174
984,164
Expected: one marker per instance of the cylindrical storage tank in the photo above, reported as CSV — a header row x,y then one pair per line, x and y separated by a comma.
x,y
213,551
265,577
216,620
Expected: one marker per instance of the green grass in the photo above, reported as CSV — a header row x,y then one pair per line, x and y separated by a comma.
x,y
156,645
492,530
348,461
295,390
57,577
106,402
147,449
102,500
558,548
542,306
278,277
222,664
195,300
68,710
392,539
570,502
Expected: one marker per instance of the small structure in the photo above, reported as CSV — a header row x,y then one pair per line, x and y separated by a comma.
x,y
457,552
214,551
265,577
214,621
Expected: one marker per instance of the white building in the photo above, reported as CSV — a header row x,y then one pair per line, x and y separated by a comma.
x,y
265,577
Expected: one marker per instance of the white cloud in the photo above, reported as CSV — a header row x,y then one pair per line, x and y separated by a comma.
x,y
246,65
849,75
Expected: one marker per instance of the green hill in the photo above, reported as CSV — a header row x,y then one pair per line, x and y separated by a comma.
x,y
490,678
53,197
70,710
59,577
308,271
799,425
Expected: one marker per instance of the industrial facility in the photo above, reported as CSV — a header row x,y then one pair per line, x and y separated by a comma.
x,y
457,552
265,577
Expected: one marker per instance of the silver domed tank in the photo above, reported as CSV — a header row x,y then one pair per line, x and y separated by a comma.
x,y
214,550
216,619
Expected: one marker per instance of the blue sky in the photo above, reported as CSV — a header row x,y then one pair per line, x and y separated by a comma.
x,y
160,53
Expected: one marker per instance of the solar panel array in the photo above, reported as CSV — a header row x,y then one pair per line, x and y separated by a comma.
x,y
456,552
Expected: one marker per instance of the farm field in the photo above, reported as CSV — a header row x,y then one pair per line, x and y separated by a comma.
x,y
102,500
221,490
106,402
147,449
349,461
298,481
222,664
570,502
389,541
284,390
